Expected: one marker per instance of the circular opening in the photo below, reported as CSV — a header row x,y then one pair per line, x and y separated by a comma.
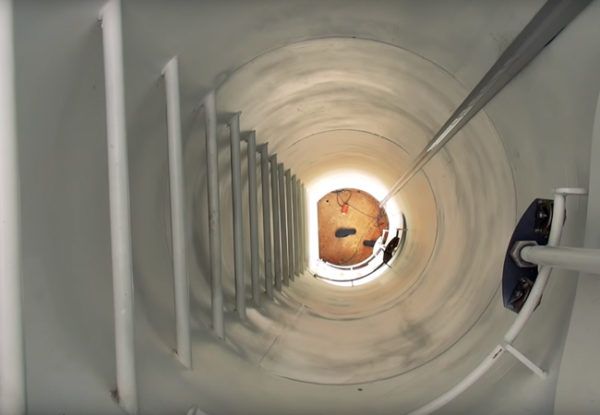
x,y
352,227
352,238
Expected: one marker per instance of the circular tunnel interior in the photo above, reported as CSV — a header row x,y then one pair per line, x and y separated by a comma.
x,y
346,96
333,110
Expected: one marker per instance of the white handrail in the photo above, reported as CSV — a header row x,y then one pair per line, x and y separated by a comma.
x,y
120,214
531,303
12,363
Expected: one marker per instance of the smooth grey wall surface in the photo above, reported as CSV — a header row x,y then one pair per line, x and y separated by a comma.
x,y
544,121
577,390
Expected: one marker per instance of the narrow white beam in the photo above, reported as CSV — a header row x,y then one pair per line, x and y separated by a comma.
x,y
266,206
12,359
277,256
178,229
523,359
120,215
285,264
290,223
238,225
214,214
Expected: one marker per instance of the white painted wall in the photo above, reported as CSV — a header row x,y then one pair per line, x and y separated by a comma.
x,y
408,67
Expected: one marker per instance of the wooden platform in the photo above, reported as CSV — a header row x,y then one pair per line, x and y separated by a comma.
x,y
349,209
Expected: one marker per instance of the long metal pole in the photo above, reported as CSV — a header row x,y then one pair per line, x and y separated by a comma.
x,y
238,226
120,215
214,214
178,229
12,360
576,259
290,223
285,264
266,207
253,208
277,260
543,27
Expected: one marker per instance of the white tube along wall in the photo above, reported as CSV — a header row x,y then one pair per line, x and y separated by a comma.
x,y
12,359
361,87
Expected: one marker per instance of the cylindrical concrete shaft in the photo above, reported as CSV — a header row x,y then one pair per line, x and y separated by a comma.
x,y
277,260
120,207
238,224
576,259
178,228
290,222
214,214
266,206
253,210
285,263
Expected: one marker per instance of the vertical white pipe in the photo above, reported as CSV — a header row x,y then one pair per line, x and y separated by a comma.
x,y
120,215
214,214
238,229
290,223
285,264
253,210
178,229
266,206
277,257
12,359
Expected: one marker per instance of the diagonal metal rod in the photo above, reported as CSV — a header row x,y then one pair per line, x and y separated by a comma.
x,y
554,16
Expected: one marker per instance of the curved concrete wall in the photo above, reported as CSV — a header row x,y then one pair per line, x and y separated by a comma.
x,y
344,85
